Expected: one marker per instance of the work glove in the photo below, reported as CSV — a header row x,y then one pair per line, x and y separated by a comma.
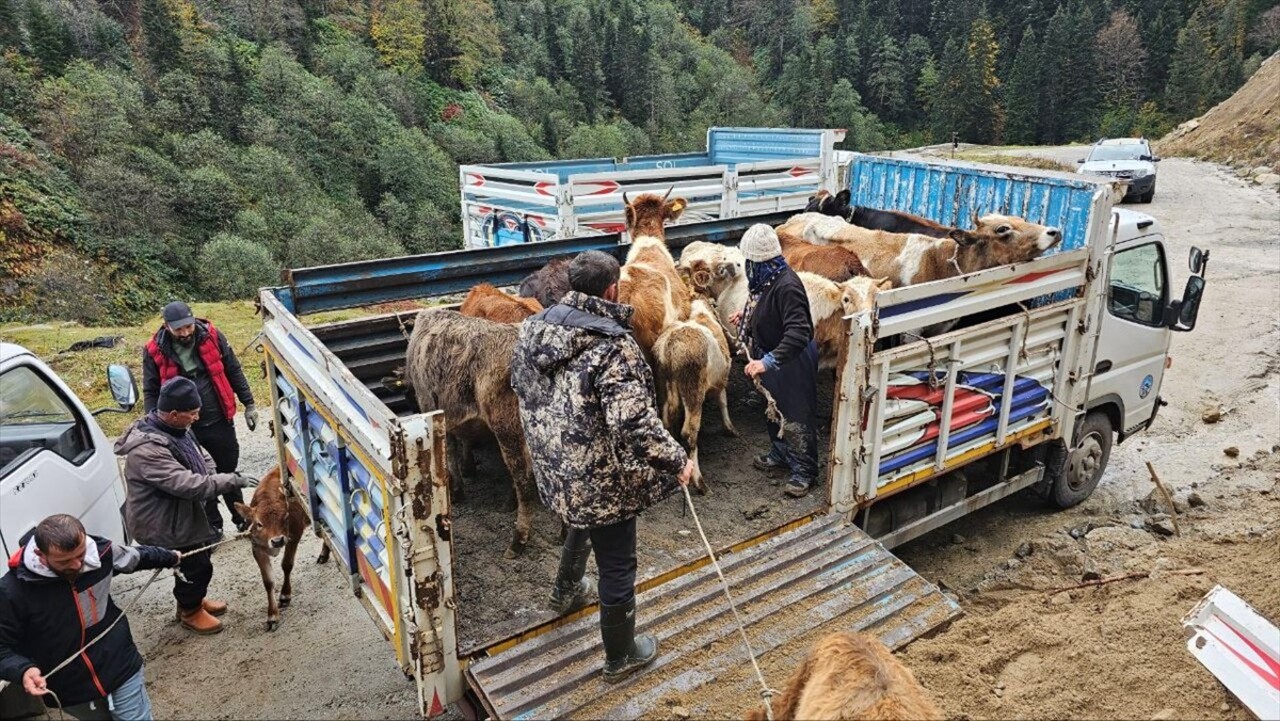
x,y
246,481
251,416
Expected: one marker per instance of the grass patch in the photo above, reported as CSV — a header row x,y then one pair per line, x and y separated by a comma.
x,y
86,371
1021,161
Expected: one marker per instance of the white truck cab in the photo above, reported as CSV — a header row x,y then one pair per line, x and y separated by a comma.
x,y
54,457
1132,351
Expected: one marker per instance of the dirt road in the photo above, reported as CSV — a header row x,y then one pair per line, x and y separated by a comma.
x,y
328,661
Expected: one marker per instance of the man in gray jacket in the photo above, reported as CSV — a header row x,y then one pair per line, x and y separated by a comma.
x,y
169,480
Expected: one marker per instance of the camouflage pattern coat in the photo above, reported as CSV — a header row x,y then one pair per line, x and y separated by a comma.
x,y
600,453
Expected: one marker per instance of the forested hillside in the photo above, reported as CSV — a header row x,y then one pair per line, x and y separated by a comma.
x,y
153,148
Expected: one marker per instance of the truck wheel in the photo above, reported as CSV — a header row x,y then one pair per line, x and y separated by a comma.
x,y
1077,472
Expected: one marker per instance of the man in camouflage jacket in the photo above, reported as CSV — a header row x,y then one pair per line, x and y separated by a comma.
x,y
600,453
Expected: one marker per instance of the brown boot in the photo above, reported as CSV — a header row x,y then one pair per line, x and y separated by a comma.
x,y
213,608
199,621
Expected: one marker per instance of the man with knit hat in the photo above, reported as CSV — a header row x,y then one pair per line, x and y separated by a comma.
x,y
191,347
776,328
170,477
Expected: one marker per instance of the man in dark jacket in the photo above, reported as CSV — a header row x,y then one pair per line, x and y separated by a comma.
x,y
191,347
169,478
41,624
776,327
600,454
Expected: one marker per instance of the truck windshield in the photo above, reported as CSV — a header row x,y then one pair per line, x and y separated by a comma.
x,y
35,417
1117,152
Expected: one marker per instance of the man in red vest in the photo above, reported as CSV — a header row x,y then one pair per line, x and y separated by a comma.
x,y
191,347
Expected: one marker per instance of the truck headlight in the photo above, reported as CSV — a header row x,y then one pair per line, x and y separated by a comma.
x,y
1140,173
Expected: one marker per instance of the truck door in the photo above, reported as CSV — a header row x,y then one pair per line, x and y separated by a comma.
x,y
51,461
1134,342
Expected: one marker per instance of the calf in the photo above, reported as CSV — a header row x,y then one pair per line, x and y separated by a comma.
x,y
852,676
830,302
894,221
548,284
649,281
485,301
693,359
717,272
462,366
276,521
829,261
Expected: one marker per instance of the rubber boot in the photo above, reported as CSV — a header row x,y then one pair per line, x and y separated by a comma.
x,y
199,621
571,589
213,608
624,651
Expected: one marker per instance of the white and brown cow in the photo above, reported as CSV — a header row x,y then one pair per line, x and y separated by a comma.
x,y
830,302
649,281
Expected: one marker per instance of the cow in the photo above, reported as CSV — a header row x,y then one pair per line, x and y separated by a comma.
x,y
829,261
830,302
462,366
276,521
650,282
548,284
852,676
894,221
911,258
693,360
718,273
485,301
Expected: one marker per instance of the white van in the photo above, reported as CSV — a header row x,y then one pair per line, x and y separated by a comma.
x,y
54,457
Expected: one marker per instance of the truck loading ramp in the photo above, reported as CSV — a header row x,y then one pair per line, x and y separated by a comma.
x,y
824,573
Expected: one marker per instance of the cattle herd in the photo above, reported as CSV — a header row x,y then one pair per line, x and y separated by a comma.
x,y
458,362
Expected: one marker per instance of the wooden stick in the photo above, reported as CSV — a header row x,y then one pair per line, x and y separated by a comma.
x,y
1126,577
1173,512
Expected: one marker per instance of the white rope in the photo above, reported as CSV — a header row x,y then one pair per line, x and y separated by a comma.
x,y
766,693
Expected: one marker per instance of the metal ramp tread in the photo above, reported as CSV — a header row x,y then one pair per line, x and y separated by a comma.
x,y
823,573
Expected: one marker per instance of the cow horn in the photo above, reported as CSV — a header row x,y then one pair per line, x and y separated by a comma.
x,y
625,199
668,194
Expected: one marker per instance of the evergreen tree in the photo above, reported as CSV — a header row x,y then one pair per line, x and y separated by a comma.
x,y
1121,60
164,46
1022,92
10,31
983,116
50,41
887,78
1188,90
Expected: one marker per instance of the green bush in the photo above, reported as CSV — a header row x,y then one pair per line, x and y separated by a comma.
x,y
232,267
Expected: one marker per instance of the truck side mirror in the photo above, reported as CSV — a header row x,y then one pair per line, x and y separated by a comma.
x,y
1197,259
1080,161
123,387
1182,314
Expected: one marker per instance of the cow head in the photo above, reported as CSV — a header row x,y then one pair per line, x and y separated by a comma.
x,y
1016,240
268,517
396,383
648,213
858,294
834,205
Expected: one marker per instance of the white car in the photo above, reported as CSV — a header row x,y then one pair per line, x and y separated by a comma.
x,y
1128,159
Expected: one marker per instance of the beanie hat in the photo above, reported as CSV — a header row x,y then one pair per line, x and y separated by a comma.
x,y
178,394
760,243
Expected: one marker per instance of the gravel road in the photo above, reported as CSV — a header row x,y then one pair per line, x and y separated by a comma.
x,y
327,660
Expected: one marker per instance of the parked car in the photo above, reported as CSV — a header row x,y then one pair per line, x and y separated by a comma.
x,y
1129,159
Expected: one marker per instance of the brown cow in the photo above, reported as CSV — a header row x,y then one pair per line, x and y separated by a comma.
x,y
649,281
462,366
829,261
852,676
548,284
276,520
907,259
693,360
830,302
485,301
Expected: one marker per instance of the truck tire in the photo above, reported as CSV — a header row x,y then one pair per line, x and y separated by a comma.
x,y
1146,198
1076,473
